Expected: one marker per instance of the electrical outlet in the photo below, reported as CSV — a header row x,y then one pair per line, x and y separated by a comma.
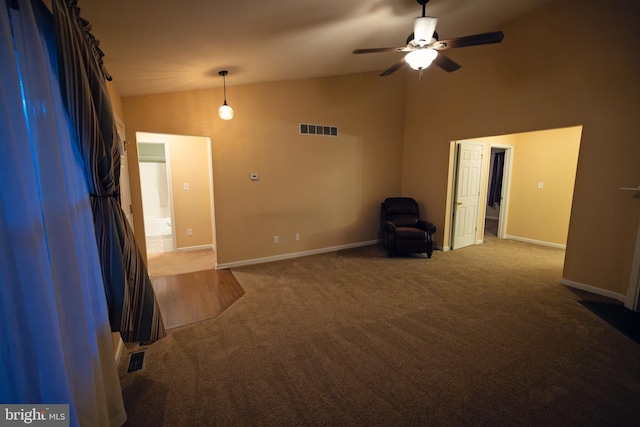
x,y
297,236
189,232
276,240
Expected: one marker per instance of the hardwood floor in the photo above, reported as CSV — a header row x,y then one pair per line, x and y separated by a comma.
x,y
170,263
192,297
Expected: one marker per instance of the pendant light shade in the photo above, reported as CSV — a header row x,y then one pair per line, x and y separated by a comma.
x,y
225,111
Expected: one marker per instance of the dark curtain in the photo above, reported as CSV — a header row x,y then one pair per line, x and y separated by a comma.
x,y
55,340
133,310
495,189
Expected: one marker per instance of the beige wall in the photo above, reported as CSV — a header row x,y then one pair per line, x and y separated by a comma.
x,y
327,189
547,157
192,209
551,71
116,101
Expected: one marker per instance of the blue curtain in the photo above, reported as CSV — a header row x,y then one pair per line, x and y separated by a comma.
x,y
55,340
133,310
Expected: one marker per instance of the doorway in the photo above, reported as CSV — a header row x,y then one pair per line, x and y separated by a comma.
x,y
470,208
157,204
525,190
177,202
495,222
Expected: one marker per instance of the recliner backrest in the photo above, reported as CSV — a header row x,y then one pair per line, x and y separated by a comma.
x,y
402,211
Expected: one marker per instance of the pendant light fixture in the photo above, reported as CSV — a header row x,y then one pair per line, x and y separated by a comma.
x,y
225,111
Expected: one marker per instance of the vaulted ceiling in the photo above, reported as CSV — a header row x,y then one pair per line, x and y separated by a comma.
x,y
156,46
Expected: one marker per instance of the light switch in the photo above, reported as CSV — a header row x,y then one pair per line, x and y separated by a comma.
x,y
540,184
186,186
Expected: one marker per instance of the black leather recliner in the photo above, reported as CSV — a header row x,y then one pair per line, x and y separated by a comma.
x,y
402,229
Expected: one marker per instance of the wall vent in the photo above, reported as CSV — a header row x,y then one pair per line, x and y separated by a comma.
x,y
136,361
307,129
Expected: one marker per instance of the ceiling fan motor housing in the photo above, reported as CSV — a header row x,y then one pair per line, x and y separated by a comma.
x,y
423,29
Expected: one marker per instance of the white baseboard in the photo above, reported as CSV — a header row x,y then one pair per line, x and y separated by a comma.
x,y
119,350
294,255
593,290
194,248
536,242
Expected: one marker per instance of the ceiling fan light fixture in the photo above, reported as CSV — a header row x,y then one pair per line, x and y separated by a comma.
x,y
421,58
423,45
225,111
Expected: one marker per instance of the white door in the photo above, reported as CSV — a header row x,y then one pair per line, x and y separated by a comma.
x,y
125,190
467,196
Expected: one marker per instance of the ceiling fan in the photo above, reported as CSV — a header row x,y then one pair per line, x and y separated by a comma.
x,y
424,48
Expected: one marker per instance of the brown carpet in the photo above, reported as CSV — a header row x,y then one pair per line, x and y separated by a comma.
x,y
484,335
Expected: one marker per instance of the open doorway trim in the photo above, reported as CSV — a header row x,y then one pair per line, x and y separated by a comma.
x,y
503,216
484,184
150,138
177,163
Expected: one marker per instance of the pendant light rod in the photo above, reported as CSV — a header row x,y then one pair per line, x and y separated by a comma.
x,y
223,73
424,6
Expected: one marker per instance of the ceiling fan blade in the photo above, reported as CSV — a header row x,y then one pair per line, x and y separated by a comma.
x,y
477,39
381,49
393,68
445,63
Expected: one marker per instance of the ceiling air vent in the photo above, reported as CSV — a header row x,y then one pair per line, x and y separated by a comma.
x,y
307,129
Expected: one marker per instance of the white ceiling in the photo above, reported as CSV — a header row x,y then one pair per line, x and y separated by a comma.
x,y
156,46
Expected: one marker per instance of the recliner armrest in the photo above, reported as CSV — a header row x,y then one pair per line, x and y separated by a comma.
x,y
426,226
388,226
